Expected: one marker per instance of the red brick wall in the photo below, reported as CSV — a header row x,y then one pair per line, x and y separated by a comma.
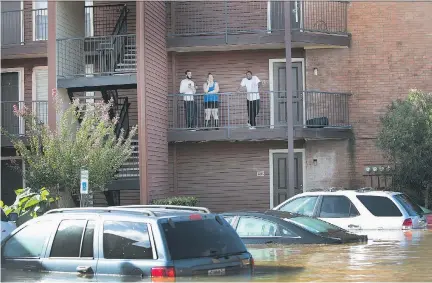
x,y
390,54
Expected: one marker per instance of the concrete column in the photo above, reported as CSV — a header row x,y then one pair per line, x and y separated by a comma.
x,y
289,103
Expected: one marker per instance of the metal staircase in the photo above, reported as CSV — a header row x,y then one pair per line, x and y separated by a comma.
x,y
128,60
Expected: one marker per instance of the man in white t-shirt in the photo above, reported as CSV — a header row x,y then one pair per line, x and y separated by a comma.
x,y
252,85
188,89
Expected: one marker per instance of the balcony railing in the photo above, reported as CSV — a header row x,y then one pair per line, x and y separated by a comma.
x,y
15,125
23,26
96,56
236,17
310,108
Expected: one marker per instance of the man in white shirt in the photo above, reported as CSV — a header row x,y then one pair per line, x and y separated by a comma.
x,y
252,85
188,89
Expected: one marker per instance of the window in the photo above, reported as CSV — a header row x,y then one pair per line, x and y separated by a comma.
x,y
229,219
302,205
201,238
337,207
28,242
69,239
89,25
287,233
256,227
314,225
380,206
126,240
40,23
410,206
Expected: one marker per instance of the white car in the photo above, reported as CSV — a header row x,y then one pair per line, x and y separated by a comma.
x,y
358,210
7,226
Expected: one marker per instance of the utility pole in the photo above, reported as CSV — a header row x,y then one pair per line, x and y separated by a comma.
x,y
289,101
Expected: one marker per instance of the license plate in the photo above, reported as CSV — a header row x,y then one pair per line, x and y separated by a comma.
x,y
216,272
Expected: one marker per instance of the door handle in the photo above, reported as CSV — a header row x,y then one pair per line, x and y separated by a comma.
x,y
353,226
84,269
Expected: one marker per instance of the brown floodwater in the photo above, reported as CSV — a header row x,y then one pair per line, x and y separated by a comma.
x,y
388,256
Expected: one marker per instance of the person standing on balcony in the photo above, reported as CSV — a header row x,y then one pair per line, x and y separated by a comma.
x,y
252,85
188,89
211,101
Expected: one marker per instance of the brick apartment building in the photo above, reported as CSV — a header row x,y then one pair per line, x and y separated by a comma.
x,y
348,60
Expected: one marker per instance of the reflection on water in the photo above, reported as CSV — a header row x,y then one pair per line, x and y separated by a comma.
x,y
388,256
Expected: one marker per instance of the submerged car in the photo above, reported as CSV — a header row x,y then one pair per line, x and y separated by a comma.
x,y
428,214
127,243
277,227
355,210
7,223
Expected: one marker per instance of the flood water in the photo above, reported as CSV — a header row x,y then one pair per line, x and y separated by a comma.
x,y
388,256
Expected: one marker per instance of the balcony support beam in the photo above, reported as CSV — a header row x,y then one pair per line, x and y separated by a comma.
x,y
289,100
52,62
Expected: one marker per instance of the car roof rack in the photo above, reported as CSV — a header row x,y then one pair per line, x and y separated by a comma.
x,y
331,189
99,210
365,189
178,207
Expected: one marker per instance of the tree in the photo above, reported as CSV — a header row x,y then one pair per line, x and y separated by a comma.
x,y
85,138
406,139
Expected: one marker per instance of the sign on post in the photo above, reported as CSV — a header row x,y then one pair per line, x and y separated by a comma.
x,y
84,189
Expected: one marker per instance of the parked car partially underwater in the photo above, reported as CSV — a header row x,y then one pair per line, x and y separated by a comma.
x,y
8,223
278,227
141,242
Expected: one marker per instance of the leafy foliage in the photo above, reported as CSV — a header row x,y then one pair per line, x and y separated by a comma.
x,y
406,139
84,138
185,201
30,203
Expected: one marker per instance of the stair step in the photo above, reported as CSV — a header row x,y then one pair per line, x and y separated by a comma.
x,y
123,169
125,70
126,65
130,60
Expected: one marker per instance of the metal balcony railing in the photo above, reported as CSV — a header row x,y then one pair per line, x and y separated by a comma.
x,y
23,26
192,18
15,125
310,108
96,56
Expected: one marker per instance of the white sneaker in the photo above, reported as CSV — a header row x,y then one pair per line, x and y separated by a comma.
x,y
249,125
252,128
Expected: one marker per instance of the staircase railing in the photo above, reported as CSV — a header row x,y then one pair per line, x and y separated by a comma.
x,y
119,29
123,122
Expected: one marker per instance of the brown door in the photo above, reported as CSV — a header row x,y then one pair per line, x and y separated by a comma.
x,y
11,22
279,95
9,97
281,192
277,15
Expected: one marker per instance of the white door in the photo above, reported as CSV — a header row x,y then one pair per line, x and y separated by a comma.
x,y
40,104
340,211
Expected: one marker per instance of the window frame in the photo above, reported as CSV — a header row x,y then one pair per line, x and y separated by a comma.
x,y
51,242
315,209
46,245
320,202
101,240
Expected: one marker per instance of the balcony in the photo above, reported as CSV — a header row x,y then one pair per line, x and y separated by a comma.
x,y
206,25
317,115
15,125
24,33
96,61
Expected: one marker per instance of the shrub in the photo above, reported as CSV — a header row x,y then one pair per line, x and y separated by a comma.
x,y
182,200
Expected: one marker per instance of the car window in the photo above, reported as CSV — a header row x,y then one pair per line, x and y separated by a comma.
x,y
302,205
201,238
314,225
67,241
380,206
126,240
229,219
87,243
4,218
256,227
337,207
410,206
285,232
29,241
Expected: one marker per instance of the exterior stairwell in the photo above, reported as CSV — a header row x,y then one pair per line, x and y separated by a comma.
x,y
130,169
128,59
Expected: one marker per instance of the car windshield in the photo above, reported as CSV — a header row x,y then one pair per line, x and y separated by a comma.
x,y
201,238
411,207
315,225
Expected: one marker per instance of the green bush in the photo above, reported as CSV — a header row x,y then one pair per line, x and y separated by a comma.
x,y
185,201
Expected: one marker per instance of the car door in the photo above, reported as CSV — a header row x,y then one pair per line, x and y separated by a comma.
x,y
25,249
305,205
339,211
73,248
126,250
257,230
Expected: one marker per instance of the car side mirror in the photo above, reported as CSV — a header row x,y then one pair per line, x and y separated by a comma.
x,y
13,216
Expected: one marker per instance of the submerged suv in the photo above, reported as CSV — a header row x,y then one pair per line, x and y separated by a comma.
x,y
363,209
140,242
